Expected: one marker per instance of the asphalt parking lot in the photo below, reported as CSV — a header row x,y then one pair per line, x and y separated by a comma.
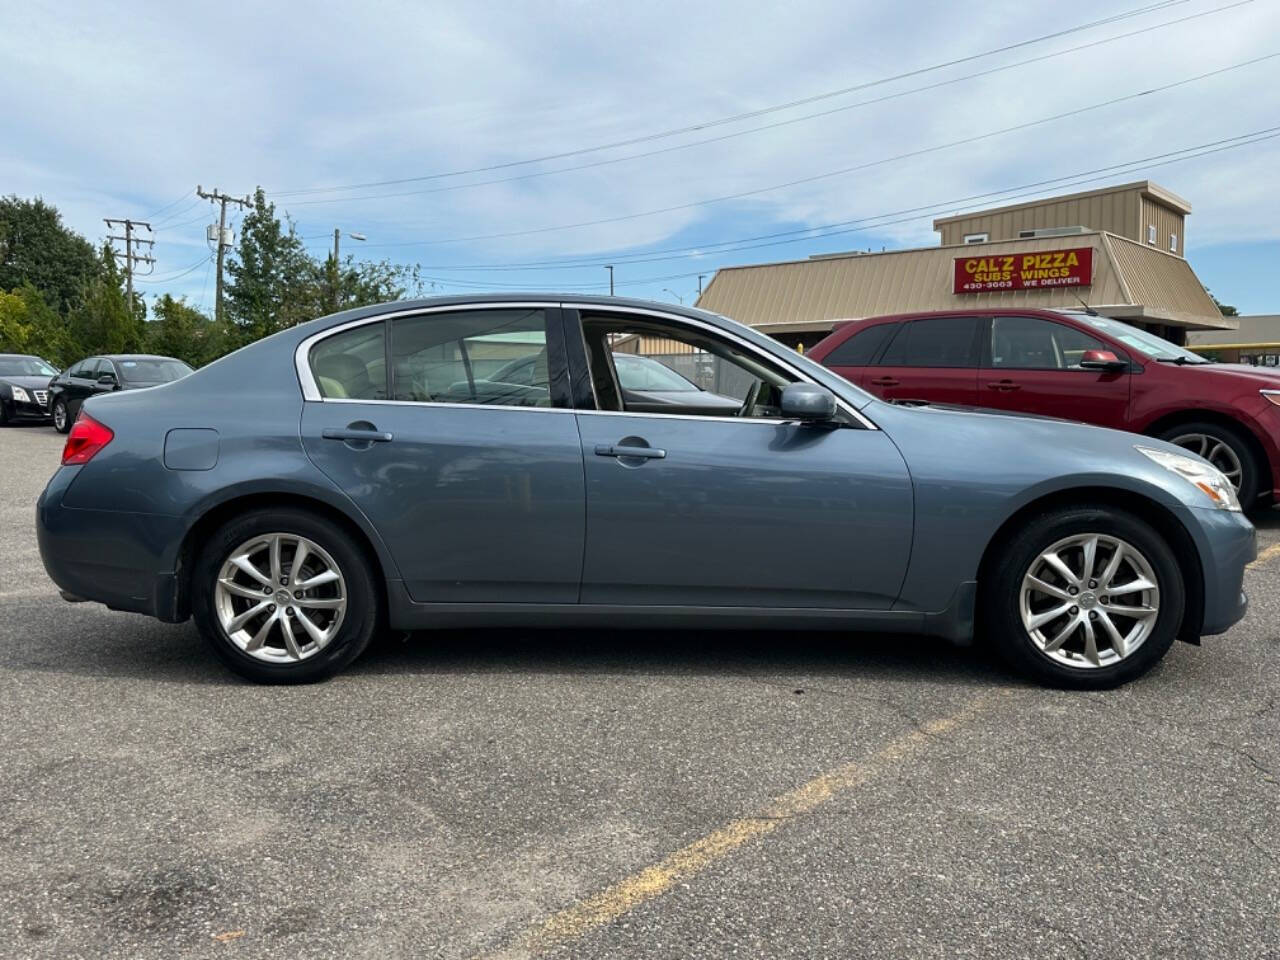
x,y
507,794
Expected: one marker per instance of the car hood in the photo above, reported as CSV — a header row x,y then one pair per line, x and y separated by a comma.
x,y
1265,377
1027,454
27,383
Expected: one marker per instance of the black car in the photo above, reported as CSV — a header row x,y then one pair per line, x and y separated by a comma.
x,y
24,387
124,371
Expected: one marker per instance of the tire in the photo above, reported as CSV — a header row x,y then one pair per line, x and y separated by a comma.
x,y
1009,603
1202,438
345,609
60,405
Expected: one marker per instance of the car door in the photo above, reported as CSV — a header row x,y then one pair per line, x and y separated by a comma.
x,y
1031,365
475,485
737,511
929,360
107,368
854,356
81,383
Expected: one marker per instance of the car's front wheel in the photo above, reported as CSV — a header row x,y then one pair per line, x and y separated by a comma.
x,y
1087,597
1227,449
284,596
61,419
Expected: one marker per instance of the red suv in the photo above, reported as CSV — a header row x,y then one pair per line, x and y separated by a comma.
x,y
1078,366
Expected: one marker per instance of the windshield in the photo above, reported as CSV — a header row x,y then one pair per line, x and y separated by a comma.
x,y
642,373
153,371
1157,348
25,367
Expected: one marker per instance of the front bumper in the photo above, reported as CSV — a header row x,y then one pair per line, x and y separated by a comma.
x,y
30,410
1228,543
123,560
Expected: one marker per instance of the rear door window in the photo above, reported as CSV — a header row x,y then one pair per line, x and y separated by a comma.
x,y
861,348
934,342
352,365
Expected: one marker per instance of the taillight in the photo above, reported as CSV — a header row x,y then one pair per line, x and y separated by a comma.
x,y
87,437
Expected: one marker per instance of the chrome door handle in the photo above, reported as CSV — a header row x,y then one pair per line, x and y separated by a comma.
x,y
1004,386
885,382
368,436
626,450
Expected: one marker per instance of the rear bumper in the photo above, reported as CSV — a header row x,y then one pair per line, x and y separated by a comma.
x,y
123,560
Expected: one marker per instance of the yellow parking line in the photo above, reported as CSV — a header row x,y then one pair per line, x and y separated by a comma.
x,y
1265,555
653,881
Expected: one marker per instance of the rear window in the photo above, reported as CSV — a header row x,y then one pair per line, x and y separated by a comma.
x,y
859,349
934,342
149,371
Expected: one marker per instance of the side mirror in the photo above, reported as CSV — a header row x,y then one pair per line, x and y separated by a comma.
x,y
808,402
107,380
1101,360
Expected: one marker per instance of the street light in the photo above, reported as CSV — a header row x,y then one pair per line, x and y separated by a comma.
x,y
674,294
609,267
337,268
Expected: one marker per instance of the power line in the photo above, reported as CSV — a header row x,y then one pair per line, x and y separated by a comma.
x,y
166,221
812,233
833,173
748,115
775,125
181,273
893,218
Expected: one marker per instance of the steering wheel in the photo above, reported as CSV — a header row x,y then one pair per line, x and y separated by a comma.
x,y
750,402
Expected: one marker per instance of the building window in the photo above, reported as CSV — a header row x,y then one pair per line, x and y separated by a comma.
x,y
977,237
1173,243
1151,234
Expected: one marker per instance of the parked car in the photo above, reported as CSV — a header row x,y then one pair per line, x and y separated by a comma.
x,y
311,487
24,387
646,384
106,374
1077,365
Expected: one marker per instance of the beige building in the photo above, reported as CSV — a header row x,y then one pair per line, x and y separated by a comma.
x,y
1255,341
1095,248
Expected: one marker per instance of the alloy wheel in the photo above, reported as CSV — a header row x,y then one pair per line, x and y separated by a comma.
x,y
280,597
1089,601
60,416
1216,451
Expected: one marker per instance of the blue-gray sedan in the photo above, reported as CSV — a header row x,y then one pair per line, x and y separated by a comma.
x,y
377,469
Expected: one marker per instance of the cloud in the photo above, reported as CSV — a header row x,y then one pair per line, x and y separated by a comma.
x,y
112,115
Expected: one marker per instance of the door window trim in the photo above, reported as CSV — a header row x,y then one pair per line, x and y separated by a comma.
x,y
311,390
573,314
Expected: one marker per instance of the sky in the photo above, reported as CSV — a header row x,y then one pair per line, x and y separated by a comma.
x,y
535,142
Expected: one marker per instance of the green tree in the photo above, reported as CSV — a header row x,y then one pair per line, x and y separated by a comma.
x,y
29,325
180,330
15,324
367,282
273,283
101,322
1224,308
36,248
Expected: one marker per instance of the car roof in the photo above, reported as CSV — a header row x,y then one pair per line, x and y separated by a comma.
x,y
21,356
133,356
966,312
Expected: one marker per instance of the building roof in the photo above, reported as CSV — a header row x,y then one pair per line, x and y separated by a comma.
x,y
1153,190
1262,330
1130,281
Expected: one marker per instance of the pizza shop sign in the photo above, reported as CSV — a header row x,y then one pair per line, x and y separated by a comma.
x,y
1024,271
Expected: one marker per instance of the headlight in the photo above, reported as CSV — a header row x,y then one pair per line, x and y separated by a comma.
x,y
1272,395
20,395
1208,479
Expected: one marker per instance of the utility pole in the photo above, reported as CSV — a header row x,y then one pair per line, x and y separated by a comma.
x,y
222,200
609,267
130,258
337,264
700,276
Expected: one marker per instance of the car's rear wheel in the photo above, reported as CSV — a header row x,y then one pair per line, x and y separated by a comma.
x,y
1087,597
284,596
61,419
1226,448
